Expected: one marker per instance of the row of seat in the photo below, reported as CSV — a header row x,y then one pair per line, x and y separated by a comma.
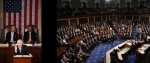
x,y
71,11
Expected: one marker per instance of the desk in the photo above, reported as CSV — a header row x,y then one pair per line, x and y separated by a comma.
x,y
6,54
141,52
123,51
108,58
143,48
75,40
60,50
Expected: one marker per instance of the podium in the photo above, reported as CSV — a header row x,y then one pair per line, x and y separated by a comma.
x,y
22,59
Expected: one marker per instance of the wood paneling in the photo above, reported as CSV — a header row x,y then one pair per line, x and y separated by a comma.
x,y
104,18
111,16
62,23
128,17
122,17
98,18
136,17
128,4
73,21
144,18
83,20
2,56
91,19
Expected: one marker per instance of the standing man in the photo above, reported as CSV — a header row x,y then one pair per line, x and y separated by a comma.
x,y
12,35
30,36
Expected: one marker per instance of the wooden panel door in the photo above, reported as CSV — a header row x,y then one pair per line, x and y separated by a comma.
x,y
39,55
62,23
73,21
91,19
9,54
2,56
34,52
83,20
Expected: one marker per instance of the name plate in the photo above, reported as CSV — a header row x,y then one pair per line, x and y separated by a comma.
x,y
4,45
23,56
13,45
37,44
28,44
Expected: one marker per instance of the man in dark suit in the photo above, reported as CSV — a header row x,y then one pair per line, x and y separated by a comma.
x,y
12,36
30,36
21,49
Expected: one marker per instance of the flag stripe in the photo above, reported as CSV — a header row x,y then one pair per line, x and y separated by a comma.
x,y
25,13
20,16
36,13
6,18
12,18
9,18
33,12
20,23
28,12
30,22
17,20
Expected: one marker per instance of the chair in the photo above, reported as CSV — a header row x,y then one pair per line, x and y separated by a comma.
x,y
34,29
4,32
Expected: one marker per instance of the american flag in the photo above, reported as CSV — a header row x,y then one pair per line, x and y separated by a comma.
x,y
20,13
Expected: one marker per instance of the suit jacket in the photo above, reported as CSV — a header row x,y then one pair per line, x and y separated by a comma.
x,y
33,37
8,37
24,51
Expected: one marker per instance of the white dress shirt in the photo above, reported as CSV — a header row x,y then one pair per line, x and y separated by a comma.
x,y
19,50
12,37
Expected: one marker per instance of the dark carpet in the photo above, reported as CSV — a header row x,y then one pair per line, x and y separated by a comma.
x,y
99,52
97,55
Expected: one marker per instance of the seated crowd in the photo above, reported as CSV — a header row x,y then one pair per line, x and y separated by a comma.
x,y
142,29
95,33
123,27
66,33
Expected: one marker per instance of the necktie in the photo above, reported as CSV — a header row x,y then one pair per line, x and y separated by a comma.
x,y
29,35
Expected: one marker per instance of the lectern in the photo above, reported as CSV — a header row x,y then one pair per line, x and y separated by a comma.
x,y
22,59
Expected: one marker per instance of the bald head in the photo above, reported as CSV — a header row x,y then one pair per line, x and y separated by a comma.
x,y
19,42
